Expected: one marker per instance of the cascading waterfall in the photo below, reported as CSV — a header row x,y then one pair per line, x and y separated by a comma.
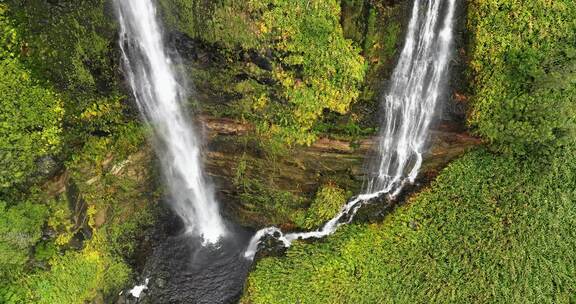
x,y
417,82
160,96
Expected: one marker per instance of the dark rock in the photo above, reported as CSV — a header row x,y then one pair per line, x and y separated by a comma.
x,y
47,167
160,282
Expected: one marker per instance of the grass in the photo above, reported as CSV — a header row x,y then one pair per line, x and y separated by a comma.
x,y
491,229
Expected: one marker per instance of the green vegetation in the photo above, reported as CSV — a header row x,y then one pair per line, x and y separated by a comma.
x,y
77,180
68,43
30,114
303,67
489,230
21,228
523,63
74,277
327,203
63,239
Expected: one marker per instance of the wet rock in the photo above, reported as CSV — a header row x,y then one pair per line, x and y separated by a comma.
x,y
304,169
121,299
47,167
99,299
160,282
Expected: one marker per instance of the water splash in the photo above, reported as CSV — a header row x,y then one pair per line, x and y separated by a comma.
x,y
137,290
409,106
161,95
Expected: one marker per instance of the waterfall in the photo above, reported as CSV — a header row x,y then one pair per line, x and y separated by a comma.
x,y
161,97
409,106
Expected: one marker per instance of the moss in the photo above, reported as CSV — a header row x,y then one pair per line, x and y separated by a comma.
x,y
263,201
327,203
353,20
227,23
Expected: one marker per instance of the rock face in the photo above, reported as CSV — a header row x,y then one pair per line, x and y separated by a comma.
x,y
260,188
305,169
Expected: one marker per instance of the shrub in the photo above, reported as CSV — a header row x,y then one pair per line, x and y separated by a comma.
x,y
20,228
327,203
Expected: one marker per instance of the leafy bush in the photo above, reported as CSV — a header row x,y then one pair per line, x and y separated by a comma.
x,y
68,42
73,278
59,97
523,63
70,45
226,23
489,230
319,69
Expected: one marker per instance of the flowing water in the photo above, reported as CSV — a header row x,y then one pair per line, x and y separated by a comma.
x,y
160,94
409,107
182,268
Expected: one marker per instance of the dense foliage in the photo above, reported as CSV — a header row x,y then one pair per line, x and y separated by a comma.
x,y
326,204
523,63
302,65
489,230
63,237
30,113
496,226
21,228
68,42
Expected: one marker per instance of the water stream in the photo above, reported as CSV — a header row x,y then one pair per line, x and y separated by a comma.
x,y
409,108
161,94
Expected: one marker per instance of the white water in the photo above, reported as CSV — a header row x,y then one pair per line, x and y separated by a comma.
x,y
161,97
409,107
137,290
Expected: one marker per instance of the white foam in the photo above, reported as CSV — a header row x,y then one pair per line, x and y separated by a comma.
x,y
136,291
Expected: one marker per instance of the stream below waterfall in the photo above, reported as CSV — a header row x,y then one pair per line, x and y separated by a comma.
x,y
180,269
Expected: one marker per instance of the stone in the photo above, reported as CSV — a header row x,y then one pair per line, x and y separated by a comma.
x,y
46,167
